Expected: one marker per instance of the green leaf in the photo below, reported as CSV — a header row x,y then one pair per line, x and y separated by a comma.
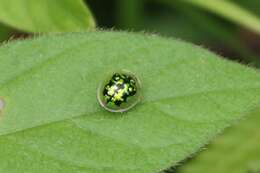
x,y
52,122
46,16
249,5
237,151
230,11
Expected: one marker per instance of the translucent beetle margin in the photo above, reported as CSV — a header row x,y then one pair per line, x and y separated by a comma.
x,y
119,92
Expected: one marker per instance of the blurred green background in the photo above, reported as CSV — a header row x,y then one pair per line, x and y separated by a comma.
x,y
178,19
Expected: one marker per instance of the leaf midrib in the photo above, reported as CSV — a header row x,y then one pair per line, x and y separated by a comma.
x,y
144,102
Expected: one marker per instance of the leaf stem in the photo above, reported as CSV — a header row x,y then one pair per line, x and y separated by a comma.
x,y
129,13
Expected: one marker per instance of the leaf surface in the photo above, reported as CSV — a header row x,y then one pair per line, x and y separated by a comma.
x,y
47,15
239,146
52,122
